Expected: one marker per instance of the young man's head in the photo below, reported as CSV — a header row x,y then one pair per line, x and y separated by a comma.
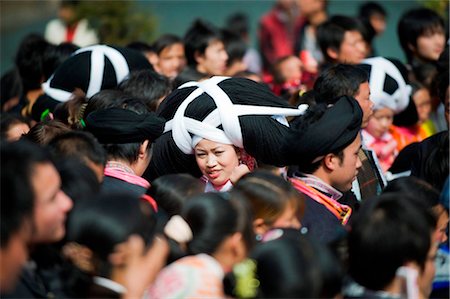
x,y
391,232
33,206
422,35
341,40
325,142
205,50
170,51
345,79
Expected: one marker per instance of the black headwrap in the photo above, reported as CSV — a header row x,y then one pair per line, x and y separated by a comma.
x,y
116,125
333,130
237,118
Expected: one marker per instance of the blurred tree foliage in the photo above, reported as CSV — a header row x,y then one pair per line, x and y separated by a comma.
x,y
439,6
118,22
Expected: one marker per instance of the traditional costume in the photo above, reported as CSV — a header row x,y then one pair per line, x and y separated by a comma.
x,y
318,133
233,111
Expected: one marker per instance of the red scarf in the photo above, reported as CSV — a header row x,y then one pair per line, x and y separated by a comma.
x,y
342,212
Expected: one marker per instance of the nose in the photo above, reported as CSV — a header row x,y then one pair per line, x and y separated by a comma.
x,y
358,163
211,161
65,202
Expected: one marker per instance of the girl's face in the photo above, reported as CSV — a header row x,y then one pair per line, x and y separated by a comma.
x,y
422,99
291,69
430,45
380,122
288,218
216,160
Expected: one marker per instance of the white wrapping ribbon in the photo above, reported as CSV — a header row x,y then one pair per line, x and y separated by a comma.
x,y
226,114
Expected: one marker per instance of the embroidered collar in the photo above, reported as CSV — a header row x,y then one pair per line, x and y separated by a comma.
x,y
123,172
318,184
109,284
340,211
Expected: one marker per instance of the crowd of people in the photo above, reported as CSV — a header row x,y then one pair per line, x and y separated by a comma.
x,y
197,166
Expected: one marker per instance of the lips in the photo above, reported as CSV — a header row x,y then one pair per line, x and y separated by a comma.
x,y
213,174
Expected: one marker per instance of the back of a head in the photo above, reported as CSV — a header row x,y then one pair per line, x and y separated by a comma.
x,y
416,188
43,132
171,191
104,221
212,218
30,61
337,81
268,195
293,266
82,145
238,23
146,85
105,99
370,8
197,39
388,232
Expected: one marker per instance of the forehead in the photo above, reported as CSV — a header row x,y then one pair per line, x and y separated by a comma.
x,y
45,179
209,144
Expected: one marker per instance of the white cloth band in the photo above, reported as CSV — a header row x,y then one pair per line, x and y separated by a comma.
x,y
380,68
98,54
226,114
178,229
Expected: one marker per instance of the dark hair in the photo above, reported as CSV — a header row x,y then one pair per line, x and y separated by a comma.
x,y
106,98
388,232
45,131
212,218
78,181
171,191
11,86
30,61
269,195
436,168
425,73
18,161
7,121
234,45
106,220
339,80
140,46
82,145
417,22
128,151
238,23
368,9
330,34
147,86
297,267
54,56
186,75
165,41
198,38
416,188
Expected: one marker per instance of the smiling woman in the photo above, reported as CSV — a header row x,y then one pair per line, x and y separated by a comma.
x,y
214,124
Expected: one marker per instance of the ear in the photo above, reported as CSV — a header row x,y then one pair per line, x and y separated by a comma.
x,y
198,57
259,227
330,161
143,149
238,152
332,53
411,48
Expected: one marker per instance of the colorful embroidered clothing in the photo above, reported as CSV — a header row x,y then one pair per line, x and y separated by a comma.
x,y
385,148
198,276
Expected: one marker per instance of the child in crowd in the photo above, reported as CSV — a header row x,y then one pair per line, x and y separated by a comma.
x,y
287,76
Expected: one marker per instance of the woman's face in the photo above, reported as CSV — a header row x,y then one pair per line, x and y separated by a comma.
x,y
430,46
216,160
422,99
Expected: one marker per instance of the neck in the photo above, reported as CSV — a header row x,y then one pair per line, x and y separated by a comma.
x,y
317,18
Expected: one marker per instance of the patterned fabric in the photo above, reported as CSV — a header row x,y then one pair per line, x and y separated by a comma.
x,y
369,179
385,148
198,276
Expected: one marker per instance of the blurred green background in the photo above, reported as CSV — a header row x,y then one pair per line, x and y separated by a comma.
x,y
18,18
